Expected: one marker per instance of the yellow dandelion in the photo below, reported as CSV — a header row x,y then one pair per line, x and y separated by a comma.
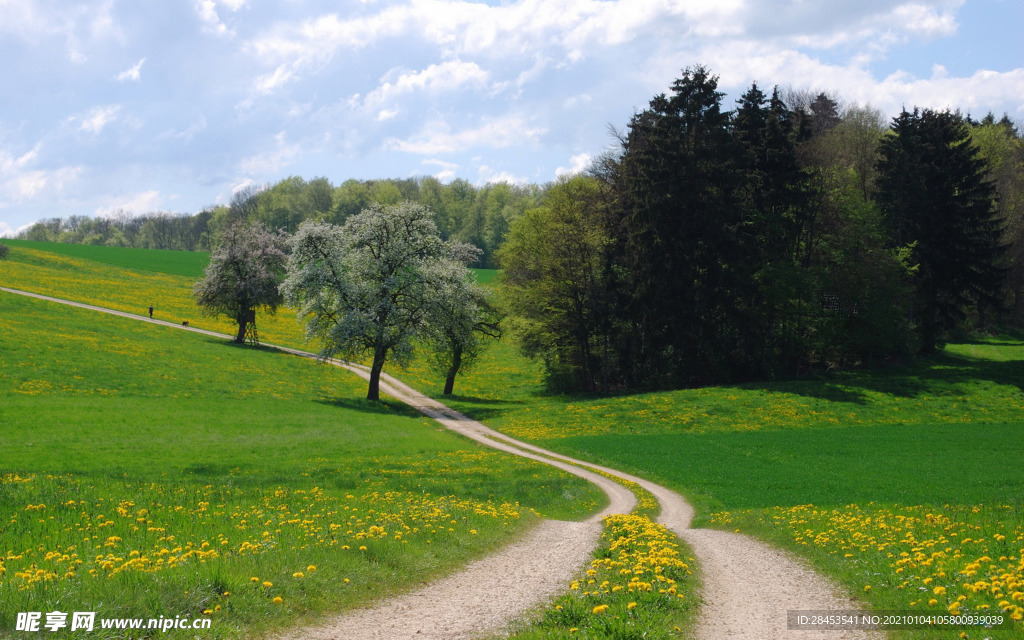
x,y
268,584
599,609
278,600
631,605
311,568
298,574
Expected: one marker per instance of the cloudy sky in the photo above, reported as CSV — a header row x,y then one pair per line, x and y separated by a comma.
x,y
173,105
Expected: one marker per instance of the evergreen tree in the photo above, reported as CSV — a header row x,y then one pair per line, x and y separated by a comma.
x,y
776,207
678,183
933,189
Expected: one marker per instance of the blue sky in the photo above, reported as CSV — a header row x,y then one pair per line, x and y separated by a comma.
x,y
172,106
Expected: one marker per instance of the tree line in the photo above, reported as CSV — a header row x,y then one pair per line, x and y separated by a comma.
x,y
461,211
768,240
785,235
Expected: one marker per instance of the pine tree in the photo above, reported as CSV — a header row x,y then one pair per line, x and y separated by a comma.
x,y
679,192
933,190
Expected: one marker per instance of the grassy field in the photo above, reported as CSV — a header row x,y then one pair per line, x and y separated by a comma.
x,y
905,484
856,471
151,472
182,263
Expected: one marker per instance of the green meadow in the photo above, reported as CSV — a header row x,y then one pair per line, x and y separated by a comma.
x,y
897,482
903,483
149,472
183,263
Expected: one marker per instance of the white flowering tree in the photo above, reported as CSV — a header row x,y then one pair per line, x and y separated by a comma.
x,y
369,287
459,317
244,274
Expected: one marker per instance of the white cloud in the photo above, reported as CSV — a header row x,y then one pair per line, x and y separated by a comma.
x,y
80,25
577,164
929,21
143,202
19,182
460,28
447,76
436,137
6,231
97,118
980,90
746,62
207,11
268,162
447,171
269,82
23,186
486,175
186,134
131,73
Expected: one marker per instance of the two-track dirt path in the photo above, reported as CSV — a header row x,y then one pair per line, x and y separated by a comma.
x,y
748,586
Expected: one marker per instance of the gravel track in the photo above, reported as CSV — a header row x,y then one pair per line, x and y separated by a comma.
x,y
748,586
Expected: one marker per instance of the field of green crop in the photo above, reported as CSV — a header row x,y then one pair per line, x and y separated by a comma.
x,y
182,263
149,472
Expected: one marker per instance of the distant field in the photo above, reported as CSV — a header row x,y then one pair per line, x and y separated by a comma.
x,y
191,264
182,263
486,276
147,471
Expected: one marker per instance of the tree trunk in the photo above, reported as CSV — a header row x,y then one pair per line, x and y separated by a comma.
x,y
449,381
240,338
373,393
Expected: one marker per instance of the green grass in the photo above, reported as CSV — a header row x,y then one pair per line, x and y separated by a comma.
x,y
127,444
183,263
191,264
941,436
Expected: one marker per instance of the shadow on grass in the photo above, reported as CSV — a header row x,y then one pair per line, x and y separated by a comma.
x,y
383,407
943,373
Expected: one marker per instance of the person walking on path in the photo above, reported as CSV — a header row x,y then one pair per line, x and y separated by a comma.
x,y
150,312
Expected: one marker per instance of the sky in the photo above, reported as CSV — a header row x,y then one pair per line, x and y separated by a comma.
x,y
175,105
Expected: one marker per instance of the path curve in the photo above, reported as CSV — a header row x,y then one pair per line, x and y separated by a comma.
x,y
748,585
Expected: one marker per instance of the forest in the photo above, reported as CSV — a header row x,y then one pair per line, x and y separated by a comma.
x,y
788,234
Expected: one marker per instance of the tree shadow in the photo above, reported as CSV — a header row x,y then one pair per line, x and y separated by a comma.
x,y
381,407
942,373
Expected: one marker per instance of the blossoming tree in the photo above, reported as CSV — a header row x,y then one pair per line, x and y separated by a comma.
x,y
369,287
244,274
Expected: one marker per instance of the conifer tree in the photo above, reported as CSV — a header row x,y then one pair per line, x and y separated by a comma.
x,y
933,190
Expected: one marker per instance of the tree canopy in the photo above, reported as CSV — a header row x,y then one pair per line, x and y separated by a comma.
x,y
244,273
370,286
936,197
